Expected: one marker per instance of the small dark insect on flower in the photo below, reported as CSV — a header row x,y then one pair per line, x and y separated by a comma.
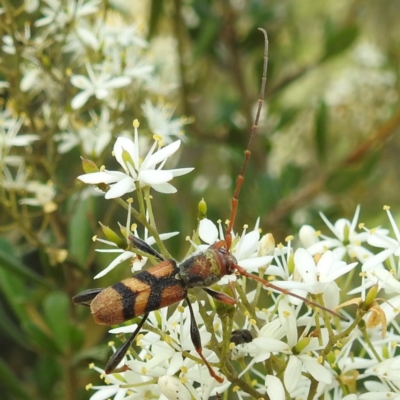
x,y
241,336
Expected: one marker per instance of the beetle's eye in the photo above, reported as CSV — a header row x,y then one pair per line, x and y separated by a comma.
x,y
222,250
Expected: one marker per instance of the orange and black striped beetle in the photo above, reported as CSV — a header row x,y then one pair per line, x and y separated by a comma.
x,y
168,282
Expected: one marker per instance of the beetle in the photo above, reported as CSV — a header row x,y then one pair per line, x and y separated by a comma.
x,y
168,282
240,336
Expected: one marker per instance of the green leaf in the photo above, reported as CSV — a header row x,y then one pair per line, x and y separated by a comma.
x,y
11,263
11,329
79,231
290,179
349,176
287,116
321,130
207,37
46,372
337,41
77,336
15,292
41,339
156,11
56,310
11,383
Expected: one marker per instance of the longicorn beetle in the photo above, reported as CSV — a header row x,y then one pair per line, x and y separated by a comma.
x,y
168,282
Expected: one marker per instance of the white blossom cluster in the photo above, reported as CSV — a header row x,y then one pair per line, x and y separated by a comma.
x,y
83,67
292,353
83,95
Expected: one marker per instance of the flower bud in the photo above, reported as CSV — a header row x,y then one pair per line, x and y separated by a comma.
x,y
307,235
202,209
112,236
89,166
290,263
173,389
370,297
346,233
267,245
301,345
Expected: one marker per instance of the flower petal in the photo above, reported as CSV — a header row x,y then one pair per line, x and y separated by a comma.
x,y
275,389
318,371
121,258
120,188
161,155
124,144
292,373
208,232
164,188
80,99
305,265
106,177
154,177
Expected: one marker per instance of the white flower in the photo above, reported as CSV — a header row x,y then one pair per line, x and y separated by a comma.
x,y
283,256
318,277
44,195
161,123
17,182
346,240
159,358
9,137
94,138
31,5
149,172
59,13
96,85
302,361
387,370
124,386
374,267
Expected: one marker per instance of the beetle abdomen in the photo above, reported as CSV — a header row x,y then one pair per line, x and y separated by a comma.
x,y
147,291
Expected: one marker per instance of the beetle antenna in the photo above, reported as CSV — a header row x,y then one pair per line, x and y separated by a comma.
x,y
247,153
270,285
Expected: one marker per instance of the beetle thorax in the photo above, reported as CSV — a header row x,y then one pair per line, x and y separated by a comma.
x,y
206,268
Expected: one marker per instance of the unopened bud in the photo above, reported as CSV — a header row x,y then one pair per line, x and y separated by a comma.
x,y
173,389
112,236
346,233
331,358
267,245
290,263
89,166
301,345
370,297
202,209
123,231
307,235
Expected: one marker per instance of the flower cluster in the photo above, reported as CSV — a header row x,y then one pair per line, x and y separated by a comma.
x,y
240,315
315,354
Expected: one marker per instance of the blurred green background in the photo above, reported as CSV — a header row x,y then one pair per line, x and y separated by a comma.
x,y
327,141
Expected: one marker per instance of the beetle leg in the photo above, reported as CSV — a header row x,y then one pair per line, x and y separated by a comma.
x,y
84,298
195,335
222,297
120,353
146,248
